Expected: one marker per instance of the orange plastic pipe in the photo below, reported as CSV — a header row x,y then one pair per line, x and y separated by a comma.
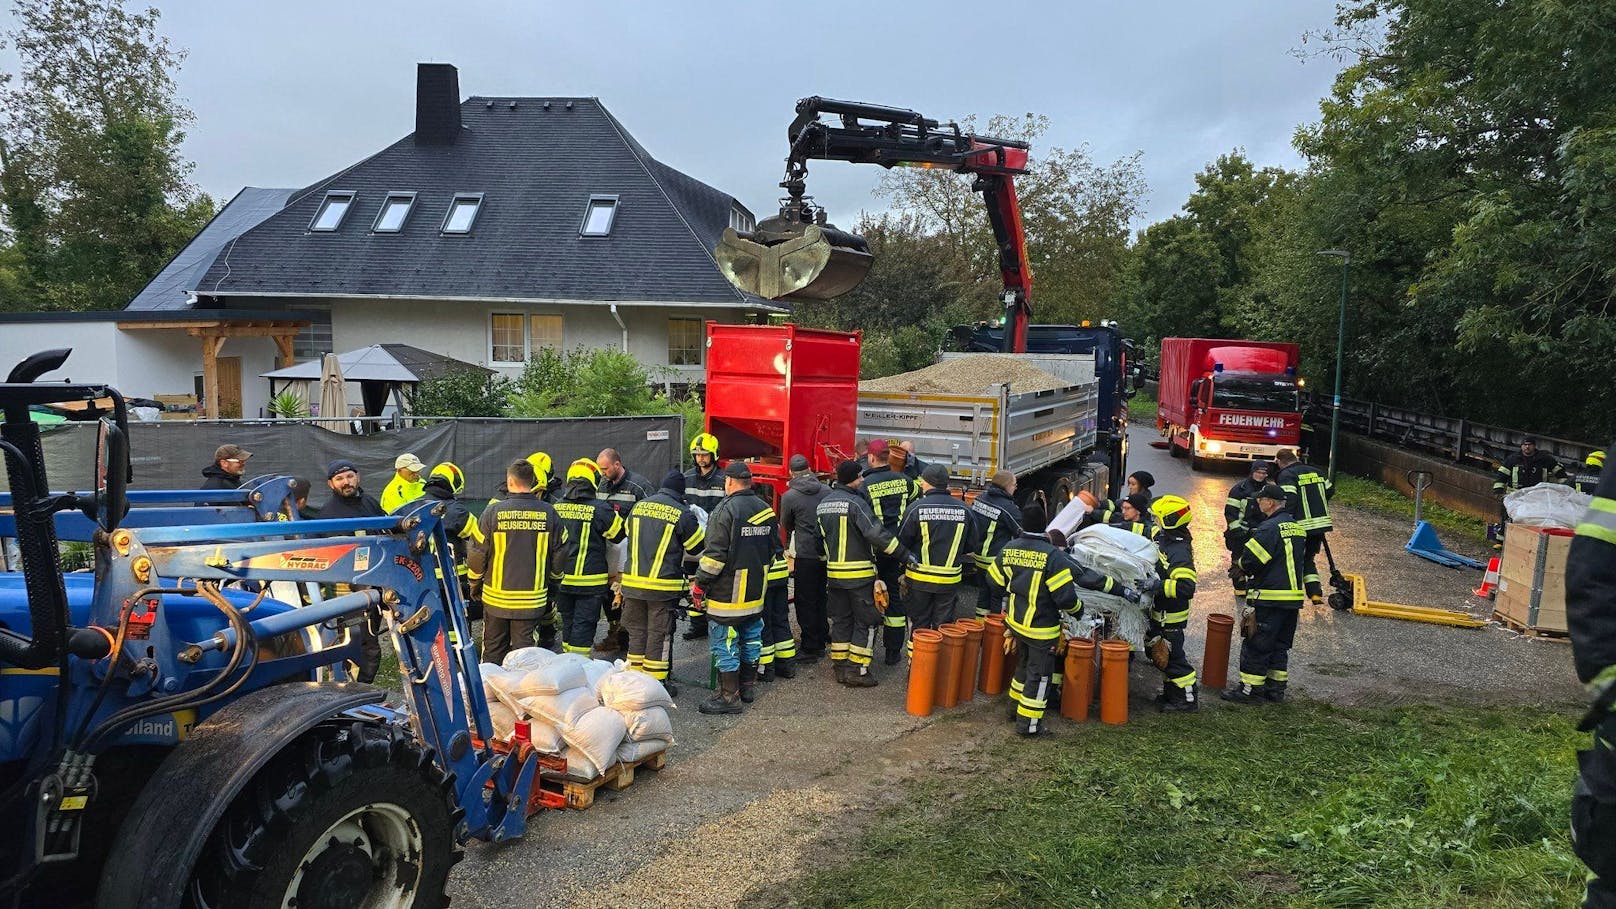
x,y
1079,683
951,664
972,661
923,672
1215,662
992,681
1114,682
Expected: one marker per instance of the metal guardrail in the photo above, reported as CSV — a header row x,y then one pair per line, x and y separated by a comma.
x,y
1458,440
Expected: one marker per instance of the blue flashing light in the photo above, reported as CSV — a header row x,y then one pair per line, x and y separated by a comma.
x,y
1217,367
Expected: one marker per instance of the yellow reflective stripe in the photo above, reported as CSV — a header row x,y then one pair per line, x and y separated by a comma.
x,y
641,582
1172,618
1059,579
615,531
1275,595
472,532
997,574
1187,574
987,539
497,575
841,539
1170,588
761,517
925,541
953,551
691,541
1256,549
662,547
934,574
1235,503
710,565
892,546
1600,521
849,571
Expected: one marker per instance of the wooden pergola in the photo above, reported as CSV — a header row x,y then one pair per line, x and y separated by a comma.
x,y
214,332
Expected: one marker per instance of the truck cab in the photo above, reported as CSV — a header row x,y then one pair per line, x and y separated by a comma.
x,y
1228,399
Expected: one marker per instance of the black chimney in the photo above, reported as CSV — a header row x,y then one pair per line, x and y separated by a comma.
x,y
437,104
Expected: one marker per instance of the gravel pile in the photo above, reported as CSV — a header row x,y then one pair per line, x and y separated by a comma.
x,y
968,376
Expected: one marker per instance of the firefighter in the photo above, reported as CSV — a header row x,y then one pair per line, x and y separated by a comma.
x,y
806,549
591,524
544,469
743,536
514,564
1522,470
1273,563
943,534
999,517
620,487
1173,588
444,484
890,493
405,486
1307,499
1039,581
779,647
853,537
229,464
1588,478
1241,514
662,530
704,488
1591,619
1139,483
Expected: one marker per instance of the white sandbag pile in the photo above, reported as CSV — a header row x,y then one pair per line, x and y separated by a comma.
x,y
592,713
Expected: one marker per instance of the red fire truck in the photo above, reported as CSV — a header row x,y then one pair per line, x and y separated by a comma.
x,y
1225,399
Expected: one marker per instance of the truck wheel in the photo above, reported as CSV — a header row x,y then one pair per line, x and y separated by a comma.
x,y
1059,495
351,814
1196,461
1172,446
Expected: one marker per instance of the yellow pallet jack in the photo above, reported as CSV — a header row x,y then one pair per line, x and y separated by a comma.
x,y
1362,605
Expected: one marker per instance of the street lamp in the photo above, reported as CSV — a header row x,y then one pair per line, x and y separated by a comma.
x,y
1340,351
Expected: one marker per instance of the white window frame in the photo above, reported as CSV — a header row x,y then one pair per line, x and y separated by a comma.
x,y
409,207
476,199
522,321
532,339
700,346
589,208
348,197
740,221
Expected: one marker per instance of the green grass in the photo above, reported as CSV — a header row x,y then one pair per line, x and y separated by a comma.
x,y
1301,807
1372,496
1142,406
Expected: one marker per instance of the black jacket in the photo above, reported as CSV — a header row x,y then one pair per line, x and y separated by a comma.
x,y
1586,480
1176,567
1240,511
518,557
704,491
1041,582
457,520
852,538
1000,519
743,536
1272,561
1591,590
799,516
1306,497
1521,472
360,506
591,523
890,493
215,477
661,531
943,534
625,492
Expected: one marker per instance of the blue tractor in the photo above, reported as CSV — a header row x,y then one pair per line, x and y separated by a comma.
x,y
171,736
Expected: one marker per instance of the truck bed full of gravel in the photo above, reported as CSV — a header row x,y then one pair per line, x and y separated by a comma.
x,y
968,376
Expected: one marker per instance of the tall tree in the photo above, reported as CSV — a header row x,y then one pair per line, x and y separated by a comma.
x,y
95,191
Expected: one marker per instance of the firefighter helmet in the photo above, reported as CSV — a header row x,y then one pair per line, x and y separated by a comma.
x,y
1596,460
584,469
1171,512
456,478
541,468
705,442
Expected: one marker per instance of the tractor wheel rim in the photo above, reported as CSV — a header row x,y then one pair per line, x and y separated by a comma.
x,y
370,858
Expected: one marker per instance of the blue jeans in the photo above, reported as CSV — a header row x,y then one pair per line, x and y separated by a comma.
x,y
732,645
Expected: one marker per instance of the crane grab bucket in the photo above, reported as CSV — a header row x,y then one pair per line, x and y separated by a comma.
x,y
791,260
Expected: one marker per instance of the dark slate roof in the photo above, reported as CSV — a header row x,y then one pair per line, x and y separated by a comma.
x,y
173,285
537,168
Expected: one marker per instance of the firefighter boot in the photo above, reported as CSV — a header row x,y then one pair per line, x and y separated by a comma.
x,y
860,677
727,699
766,671
1274,692
749,678
842,666
1180,700
1244,694
608,643
698,628
783,668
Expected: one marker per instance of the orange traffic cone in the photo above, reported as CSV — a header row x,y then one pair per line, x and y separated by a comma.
x,y
1489,583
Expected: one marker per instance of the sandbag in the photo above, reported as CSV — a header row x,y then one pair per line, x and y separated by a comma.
x,y
1547,505
562,709
629,752
651,724
578,766
630,689
597,670
504,720
596,735
553,677
527,658
544,737
616,558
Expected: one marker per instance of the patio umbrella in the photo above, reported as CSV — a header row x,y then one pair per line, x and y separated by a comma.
x,y
333,396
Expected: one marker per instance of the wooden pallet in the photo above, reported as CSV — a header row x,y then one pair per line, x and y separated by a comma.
x,y
580,794
1515,626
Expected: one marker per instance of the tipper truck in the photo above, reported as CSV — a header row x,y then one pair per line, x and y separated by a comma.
x,y
1224,399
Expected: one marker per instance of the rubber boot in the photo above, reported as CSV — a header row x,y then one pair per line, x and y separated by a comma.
x,y
1181,700
808,656
749,677
547,637
671,686
697,630
841,671
783,668
1274,692
1243,694
860,677
894,655
766,671
727,699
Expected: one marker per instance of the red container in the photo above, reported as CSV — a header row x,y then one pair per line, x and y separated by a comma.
x,y
774,391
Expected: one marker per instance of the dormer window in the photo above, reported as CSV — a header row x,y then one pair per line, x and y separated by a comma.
x,y
390,220
598,216
331,212
462,213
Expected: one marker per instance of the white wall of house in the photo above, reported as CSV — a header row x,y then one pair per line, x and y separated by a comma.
x,y
95,348
463,330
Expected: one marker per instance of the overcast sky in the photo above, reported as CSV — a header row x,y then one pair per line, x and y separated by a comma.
x,y
289,91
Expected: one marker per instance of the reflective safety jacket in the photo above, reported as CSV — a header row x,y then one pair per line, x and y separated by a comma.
x,y
890,493
853,537
1272,561
704,490
1591,592
1305,498
1176,566
518,556
1521,472
942,533
1041,582
462,530
591,524
743,536
999,518
661,530
1586,481
400,492
1240,511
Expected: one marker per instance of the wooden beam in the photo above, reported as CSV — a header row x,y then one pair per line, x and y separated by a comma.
x,y
240,331
210,375
218,326
283,343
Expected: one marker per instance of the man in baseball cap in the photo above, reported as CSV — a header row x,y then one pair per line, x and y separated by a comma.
x,y
229,463
406,485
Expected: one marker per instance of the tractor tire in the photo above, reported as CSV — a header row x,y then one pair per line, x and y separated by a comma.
x,y
353,813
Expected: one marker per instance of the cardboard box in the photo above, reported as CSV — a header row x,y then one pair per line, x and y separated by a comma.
x,y
1531,578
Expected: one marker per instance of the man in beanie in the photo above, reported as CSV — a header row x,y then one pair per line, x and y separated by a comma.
x,y
1241,514
1039,580
229,463
662,530
852,539
743,537
890,494
1273,564
806,550
942,533
348,500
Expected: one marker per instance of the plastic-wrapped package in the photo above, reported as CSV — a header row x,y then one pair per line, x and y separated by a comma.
x,y
1127,557
526,658
596,735
562,709
1547,505
650,724
629,752
628,690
